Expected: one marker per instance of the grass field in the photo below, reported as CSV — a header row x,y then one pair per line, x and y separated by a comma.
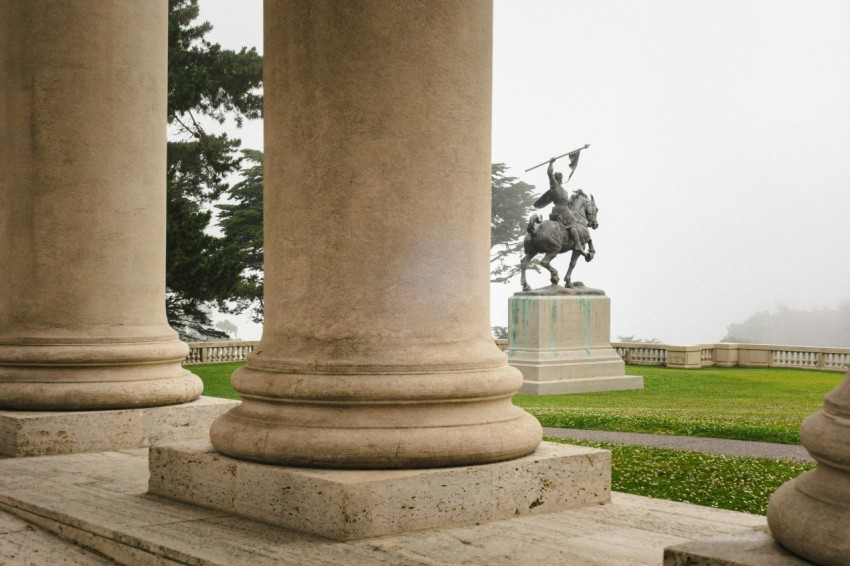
x,y
216,378
740,403
725,482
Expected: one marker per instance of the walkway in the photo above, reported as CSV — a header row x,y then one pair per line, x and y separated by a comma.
x,y
690,443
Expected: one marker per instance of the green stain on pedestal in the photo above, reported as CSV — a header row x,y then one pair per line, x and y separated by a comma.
x,y
554,313
518,323
585,311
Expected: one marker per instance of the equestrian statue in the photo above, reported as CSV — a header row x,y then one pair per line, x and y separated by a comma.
x,y
565,230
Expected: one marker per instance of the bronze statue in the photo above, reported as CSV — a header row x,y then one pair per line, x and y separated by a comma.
x,y
566,229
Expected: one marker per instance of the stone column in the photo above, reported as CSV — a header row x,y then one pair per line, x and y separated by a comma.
x,y
376,350
810,515
82,208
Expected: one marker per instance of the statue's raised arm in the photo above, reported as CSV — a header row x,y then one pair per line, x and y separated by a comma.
x,y
551,172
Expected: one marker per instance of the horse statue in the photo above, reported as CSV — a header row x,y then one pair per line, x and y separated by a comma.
x,y
550,237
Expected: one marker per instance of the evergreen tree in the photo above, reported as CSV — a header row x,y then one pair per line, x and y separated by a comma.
x,y
511,207
206,86
242,223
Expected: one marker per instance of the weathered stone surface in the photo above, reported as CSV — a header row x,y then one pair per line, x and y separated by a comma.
x,y
39,433
561,344
376,348
82,209
750,548
98,500
347,505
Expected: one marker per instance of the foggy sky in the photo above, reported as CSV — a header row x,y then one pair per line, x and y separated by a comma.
x,y
720,148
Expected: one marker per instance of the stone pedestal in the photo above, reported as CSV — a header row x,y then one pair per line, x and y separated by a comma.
x,y
350,505
82,209
44,433
561,343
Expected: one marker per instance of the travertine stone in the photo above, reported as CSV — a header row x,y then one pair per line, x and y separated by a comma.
x,y
376,348
350,504
561,344
82,208
31,433
98,501
752,548
810,515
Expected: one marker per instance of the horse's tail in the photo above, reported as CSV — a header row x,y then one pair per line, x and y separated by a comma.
x,y
533,223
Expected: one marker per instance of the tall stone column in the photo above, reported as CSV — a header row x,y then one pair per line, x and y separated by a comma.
x,y
376,351
810,515
82,208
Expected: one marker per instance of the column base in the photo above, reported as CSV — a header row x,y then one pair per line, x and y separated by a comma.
x,y
30,433
95,376
755,548
357,504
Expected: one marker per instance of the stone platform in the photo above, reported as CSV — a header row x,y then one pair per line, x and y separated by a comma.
x,y
756,547
357,504
40,433
561,343
98,501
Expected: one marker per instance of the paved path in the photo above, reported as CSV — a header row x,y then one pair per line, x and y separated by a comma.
x,y
691,443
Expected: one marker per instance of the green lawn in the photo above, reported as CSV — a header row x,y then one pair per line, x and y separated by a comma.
x,y
725,482
216,378
739,403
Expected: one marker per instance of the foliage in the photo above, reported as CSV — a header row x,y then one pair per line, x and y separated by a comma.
x,y
511,207
638,340
499,332
725,482
206,84
242,224
740,403
817,327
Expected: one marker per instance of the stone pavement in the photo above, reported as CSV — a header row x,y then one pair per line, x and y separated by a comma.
x,y
99,501
690,443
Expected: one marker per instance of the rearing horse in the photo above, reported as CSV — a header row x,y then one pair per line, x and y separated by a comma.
x,y
551,238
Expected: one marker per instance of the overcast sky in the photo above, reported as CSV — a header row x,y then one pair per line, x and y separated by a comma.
x,y
720,147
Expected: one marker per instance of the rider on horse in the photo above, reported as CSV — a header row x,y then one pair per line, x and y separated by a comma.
x,y
561,211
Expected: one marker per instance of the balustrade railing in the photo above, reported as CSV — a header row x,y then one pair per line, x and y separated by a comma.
x,y
740,355
218,352
634,353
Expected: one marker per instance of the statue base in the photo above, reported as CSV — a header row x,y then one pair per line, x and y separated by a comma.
x,y
560,340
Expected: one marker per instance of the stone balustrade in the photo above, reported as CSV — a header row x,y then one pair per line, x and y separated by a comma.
x,y
219,352
734,355
633,353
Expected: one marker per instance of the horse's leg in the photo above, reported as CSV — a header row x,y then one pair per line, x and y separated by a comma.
x,y
523,265
590,250
568,279
545,262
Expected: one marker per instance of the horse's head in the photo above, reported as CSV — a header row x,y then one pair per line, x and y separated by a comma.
x,y
585,207
590,210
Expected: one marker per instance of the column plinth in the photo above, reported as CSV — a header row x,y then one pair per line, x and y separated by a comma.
x,y
376,351
82,209
810,515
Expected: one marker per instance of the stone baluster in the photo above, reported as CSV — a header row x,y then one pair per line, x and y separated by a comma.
x,y
82,208
376,350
